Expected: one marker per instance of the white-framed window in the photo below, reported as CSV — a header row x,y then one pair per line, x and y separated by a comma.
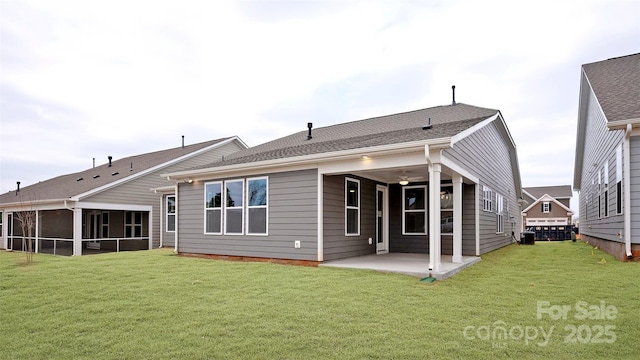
x,y
546,207
446,210
499,214
257,206
234,207
606,189
170,205
619,179
213,208
132,224
0,223
487,198
414,210
352,207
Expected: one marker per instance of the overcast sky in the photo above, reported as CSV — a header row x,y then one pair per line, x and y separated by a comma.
x,y
85,79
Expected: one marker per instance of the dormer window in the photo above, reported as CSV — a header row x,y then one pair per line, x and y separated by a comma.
x,y
546,207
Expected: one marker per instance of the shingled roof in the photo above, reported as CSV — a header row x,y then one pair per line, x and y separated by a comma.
x,y
69,185
557,192
404,127
616,83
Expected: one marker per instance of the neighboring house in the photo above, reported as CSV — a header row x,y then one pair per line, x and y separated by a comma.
x,y
547,212
110,207
607,164
441,180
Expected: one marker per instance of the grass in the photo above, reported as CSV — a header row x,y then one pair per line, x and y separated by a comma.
x,y
154,304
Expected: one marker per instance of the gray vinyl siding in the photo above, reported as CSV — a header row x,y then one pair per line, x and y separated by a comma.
x,y
469,220
398,242
336,244
137,191
293,215
635,189
599,147
486,154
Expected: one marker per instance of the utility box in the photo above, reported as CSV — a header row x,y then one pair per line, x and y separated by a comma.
x,y
527,238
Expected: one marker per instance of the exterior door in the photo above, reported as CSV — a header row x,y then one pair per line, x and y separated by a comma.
x,y
93,230
382,224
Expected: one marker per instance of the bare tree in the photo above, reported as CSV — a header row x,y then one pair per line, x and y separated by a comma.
x,y
27,220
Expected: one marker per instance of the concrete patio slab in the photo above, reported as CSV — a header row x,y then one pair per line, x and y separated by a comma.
x,y
401,263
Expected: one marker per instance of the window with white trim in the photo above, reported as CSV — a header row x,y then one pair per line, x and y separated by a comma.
x,y
234,207
619,179
352,207
257,209
0,223
213,208
606,189
546,207
414,210
499,214
487,198
171,213
446,210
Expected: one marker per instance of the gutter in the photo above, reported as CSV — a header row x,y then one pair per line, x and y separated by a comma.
x,y
627,190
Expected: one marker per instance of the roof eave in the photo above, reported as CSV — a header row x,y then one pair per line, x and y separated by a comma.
x,y
312,160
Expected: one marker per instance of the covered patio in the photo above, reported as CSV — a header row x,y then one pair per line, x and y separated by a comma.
x,y
403,263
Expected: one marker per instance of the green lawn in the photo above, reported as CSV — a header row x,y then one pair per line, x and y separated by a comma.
x,y
153,304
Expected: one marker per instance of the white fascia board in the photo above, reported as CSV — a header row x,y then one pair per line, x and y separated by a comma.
x,y
164,189
458,169
547,198
34,205
463,134
622,124
108,206
306,161
152,169
528,194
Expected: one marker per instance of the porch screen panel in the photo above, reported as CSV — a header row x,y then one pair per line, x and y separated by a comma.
x,y
414,210
213,208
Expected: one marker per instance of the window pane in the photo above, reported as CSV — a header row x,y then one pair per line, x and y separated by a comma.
x,y
138,231
213,195
214,223
234,194
127,232
138,218
105,218
171,205
258,221
446,223
414,199
257,192
414,222
234,221
352,193
352,221
171,223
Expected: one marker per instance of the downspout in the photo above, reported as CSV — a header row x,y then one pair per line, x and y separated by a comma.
x,y
627,191
175,234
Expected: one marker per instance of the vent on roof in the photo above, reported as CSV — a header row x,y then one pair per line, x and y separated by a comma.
x,y
310,126
183,141
96,176
428,126
109,157
114,173
18,189
131,168
453,90
79,179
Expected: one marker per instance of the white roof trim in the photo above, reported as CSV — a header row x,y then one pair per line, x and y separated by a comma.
x,y
312,159
546,198
154,168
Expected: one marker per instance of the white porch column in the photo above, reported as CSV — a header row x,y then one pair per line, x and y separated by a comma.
x,y
457,219
77,232
435,241
37,231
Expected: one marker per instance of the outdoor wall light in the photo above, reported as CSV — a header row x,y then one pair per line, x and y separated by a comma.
x,y
365,157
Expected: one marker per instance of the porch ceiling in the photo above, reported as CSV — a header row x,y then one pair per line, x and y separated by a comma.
x,y
392,175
